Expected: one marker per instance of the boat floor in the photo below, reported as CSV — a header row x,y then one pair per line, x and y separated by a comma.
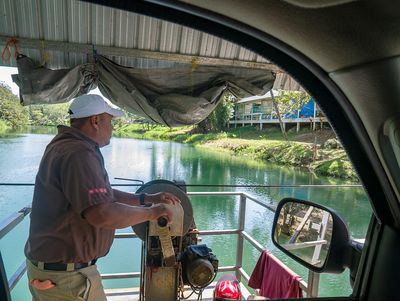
x,y
132,294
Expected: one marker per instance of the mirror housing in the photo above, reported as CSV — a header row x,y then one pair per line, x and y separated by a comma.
x,y
326,229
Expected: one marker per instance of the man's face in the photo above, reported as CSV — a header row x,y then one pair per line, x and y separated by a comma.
x,y
105,129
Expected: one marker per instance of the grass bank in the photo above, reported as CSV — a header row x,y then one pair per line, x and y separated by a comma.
x,y
307,149
3,128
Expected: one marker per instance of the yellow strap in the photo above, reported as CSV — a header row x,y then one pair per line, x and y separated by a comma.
x,y
166,246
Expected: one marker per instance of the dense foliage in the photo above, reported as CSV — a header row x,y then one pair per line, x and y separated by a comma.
x,y
290,101
48,114
12,114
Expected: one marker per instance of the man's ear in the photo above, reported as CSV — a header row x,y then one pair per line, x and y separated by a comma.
x,y
94,121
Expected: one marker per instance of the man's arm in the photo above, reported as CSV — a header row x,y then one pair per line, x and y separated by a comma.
x,y
118,215
156,198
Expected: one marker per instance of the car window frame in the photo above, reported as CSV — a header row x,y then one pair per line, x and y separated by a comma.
x,y
343,118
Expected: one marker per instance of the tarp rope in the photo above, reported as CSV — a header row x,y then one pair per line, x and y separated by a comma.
x,y
45,55
6,54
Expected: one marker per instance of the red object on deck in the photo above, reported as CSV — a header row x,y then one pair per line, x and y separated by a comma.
x,y
274,279
227,288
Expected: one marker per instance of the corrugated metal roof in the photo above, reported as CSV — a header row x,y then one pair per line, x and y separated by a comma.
x,y
63,34
72,21
259,97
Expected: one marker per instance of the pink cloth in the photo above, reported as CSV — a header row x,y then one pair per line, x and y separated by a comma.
x,y
274,279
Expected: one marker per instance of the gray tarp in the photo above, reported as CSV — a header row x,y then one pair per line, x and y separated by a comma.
x,y
175,96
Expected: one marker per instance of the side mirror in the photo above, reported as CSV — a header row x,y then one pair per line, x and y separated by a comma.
x,y
313,235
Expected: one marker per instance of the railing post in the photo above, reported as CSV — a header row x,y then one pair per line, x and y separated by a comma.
x,y
13,220
240,242
312,284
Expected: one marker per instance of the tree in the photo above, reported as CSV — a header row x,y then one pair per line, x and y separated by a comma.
x,y
11,112
288,102
49,114
219,118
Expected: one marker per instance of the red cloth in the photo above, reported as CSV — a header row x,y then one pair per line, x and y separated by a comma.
x,y
274,279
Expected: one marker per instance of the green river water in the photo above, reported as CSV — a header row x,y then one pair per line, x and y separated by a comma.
x,y
149,160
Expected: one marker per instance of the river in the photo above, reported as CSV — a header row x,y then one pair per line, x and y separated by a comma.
x,y
149,160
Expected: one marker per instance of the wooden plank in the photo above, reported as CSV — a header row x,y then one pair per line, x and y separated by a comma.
x,y
301,225
317,251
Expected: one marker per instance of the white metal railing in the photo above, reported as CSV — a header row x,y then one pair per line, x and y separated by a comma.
x,y
313,278
311,291
272,118
6,226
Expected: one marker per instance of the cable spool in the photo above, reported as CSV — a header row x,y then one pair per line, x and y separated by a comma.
x,y
157,186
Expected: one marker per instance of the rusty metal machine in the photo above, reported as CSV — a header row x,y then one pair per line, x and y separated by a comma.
x,y
173,264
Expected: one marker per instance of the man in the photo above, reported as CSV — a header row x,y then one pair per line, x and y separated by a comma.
x,y
75,211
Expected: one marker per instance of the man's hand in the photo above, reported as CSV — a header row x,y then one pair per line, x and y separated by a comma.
x,y
42,285
125,211
161,198
162,210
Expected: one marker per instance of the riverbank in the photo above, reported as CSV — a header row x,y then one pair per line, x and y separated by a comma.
x,y
318,151
3,128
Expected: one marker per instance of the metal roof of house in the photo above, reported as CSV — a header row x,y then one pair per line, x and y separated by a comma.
x,y
259,97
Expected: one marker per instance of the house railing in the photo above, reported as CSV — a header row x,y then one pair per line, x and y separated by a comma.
x,y
272,117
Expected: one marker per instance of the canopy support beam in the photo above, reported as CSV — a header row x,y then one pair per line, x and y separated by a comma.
x,y
136,53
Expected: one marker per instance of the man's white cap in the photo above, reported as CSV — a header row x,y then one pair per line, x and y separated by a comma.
x,y
89,105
